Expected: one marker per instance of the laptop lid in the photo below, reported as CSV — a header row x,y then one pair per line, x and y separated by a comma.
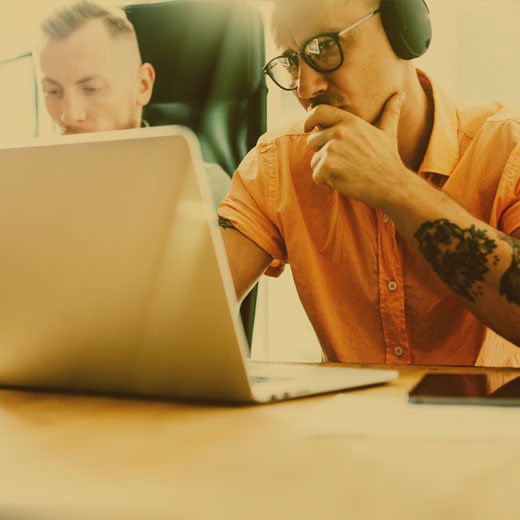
x,y
113,275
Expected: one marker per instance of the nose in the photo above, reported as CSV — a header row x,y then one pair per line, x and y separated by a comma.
x,y
73,109
311,83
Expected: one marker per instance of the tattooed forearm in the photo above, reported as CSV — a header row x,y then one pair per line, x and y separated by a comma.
x,y
459,256
510,281
225,223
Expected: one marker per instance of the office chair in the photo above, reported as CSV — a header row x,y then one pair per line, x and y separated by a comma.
x,y
208,57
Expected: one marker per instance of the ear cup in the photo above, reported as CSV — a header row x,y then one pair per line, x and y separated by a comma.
x,y
407,25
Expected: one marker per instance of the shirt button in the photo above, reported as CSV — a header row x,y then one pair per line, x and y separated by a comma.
x,y
392,285
398,351
386,218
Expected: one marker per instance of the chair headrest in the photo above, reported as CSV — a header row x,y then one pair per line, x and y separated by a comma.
x,y
201,49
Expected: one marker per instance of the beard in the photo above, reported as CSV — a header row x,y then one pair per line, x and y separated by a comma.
x,y
337,100
327,98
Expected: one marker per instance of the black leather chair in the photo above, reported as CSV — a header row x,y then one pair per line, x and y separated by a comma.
x,y
208,57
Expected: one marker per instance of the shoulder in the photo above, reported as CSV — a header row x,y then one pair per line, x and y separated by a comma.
x,y
292,133
491,120
280,160
216,171
506,122
284,151
492,154
219,182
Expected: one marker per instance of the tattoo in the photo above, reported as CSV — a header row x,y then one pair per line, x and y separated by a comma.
x,y
510,282
458,256
225,223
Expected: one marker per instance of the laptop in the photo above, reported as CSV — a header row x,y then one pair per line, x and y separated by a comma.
x,y
114,277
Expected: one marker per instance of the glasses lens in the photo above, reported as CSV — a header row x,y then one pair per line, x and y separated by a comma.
x,y
284,71
323,53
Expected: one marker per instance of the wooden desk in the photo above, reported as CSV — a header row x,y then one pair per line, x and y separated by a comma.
x,y
75,457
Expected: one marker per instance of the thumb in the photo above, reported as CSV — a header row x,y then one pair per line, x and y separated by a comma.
x,y
390,116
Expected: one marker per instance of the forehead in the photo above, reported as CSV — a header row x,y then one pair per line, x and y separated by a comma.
x,y
293,22
90,48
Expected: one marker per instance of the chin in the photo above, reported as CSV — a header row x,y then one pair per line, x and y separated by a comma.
x,y
371,117
349,109
355,112
60,130
72,132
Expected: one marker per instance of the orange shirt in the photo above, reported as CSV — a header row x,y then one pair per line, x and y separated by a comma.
x,y
370,295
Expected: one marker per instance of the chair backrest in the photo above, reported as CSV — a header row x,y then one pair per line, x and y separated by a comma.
x,y
208,57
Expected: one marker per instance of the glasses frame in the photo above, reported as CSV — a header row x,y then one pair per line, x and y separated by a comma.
x,y
336,36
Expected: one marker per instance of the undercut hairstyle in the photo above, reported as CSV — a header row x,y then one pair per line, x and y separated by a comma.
x,y
65,20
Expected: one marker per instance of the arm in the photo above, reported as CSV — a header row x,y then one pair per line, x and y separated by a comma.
x,y
246,260
477,262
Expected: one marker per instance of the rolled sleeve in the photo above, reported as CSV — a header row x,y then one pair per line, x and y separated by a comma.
x,y
249,208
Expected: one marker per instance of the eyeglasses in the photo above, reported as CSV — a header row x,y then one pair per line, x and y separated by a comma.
x,y
323,53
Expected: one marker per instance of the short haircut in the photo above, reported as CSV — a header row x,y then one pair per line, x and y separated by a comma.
x,y
65,20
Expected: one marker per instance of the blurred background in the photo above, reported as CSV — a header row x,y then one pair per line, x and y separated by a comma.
x,y
473,56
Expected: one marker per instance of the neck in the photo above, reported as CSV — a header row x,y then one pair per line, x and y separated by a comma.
x,y
415,125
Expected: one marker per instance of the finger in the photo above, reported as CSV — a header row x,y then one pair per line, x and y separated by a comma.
x,y
324,116
315,160
319,173
317,140
390,117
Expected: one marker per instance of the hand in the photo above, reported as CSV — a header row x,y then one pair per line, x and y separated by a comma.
x,y
357,159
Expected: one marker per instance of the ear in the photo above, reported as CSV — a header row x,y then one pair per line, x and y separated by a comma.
x,y
146,81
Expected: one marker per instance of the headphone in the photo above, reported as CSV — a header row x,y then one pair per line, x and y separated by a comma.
x,y
407,25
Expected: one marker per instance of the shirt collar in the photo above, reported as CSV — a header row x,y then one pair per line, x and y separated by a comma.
x,y
442,153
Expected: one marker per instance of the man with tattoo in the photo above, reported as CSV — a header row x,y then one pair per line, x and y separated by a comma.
x,y
398,210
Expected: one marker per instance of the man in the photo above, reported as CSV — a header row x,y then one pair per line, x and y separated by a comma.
x,y
398,210
92,76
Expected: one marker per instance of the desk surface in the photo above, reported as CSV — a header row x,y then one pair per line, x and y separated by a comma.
x,y
78,457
